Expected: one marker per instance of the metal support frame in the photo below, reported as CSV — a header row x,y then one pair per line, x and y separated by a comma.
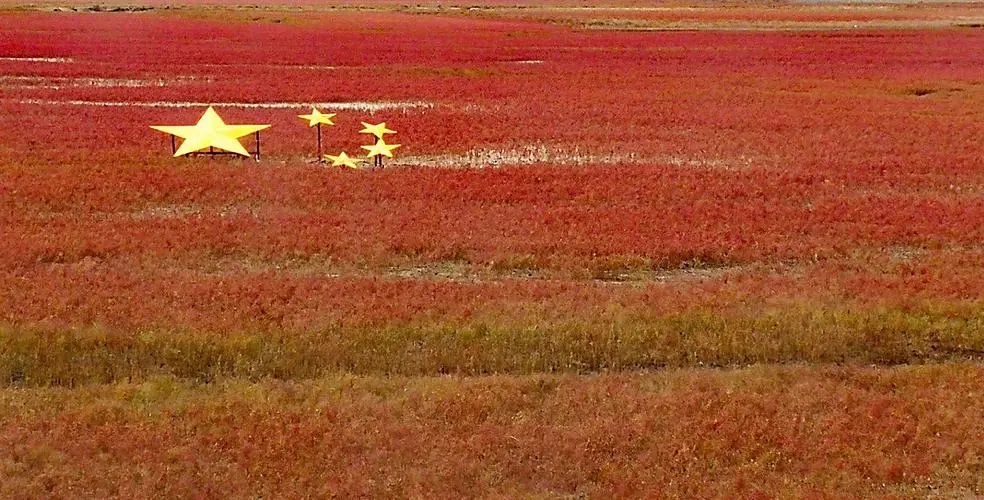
x,y
377,161
212,152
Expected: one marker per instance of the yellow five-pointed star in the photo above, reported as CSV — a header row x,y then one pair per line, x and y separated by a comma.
x,y
342,160
317,117
208,132
378,130
381,148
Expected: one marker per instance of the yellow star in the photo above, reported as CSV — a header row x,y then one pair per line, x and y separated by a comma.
x,y
317,117
342,160
381,148
208,132
378,130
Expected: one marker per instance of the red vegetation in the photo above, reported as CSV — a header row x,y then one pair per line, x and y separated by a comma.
x,y
565,200
555,216
734,147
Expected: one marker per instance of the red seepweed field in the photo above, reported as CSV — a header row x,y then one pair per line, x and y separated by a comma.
x,y
624,250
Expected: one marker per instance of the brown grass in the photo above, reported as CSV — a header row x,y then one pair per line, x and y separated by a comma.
x,y
78,356
792,431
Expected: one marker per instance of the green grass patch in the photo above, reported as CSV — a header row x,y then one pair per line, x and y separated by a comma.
x,y
73,356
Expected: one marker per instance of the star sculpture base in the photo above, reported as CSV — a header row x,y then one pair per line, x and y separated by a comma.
x,y
212,152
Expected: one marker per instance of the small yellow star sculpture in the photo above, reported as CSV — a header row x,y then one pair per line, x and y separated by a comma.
x,y
381,148
342,160
317,117
378,130
210,131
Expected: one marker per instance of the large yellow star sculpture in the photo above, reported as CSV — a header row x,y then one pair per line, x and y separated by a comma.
x,y
317,117
378,130
380,148
342,160
210,131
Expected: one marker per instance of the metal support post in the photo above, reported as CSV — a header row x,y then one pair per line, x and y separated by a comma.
x,y
257,137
